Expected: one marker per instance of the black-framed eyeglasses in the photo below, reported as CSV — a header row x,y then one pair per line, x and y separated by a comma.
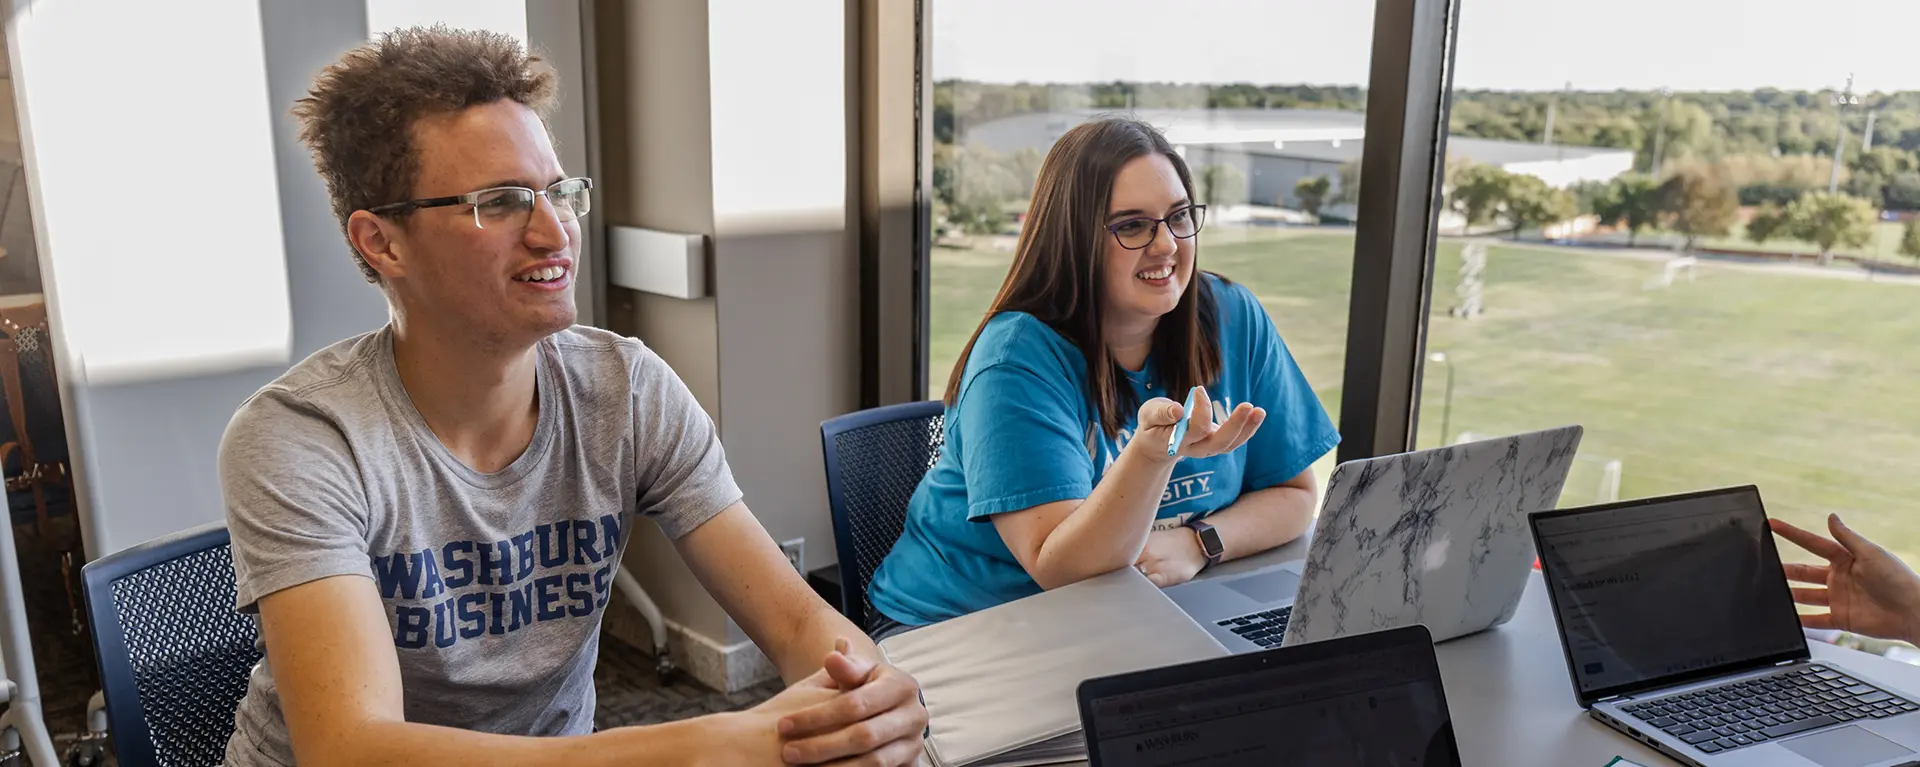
x,y
507,207
1138,233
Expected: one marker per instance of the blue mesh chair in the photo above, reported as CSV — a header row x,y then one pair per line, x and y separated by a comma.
x,y
875,459
174,654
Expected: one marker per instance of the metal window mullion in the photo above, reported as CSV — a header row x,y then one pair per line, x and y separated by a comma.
x,y
889,152
923,193
1400,175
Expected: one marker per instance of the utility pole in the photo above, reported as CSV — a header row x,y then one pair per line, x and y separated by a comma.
x,y
1842,100
1660,134
1866,139
1553,108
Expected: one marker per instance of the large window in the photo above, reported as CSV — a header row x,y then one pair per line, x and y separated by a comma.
x,y
1667,251
1264,98
1660,246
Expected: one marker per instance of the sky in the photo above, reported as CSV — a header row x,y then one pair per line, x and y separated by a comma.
x,y
1687,45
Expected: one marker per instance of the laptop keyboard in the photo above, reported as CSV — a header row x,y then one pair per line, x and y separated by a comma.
x,y
1262,628
1759,710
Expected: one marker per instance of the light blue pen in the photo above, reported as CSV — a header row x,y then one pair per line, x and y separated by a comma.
x,y
1180,429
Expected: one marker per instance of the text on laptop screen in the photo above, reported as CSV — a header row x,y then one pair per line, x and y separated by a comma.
x,y
1381,708
1662,589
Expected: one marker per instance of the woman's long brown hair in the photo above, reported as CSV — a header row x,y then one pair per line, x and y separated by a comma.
x,y
1057,275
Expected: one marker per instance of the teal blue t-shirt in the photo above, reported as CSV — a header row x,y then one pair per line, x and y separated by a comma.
x,y
1024,432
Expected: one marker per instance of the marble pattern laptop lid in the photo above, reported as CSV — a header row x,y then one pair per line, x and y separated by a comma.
x,y
1436,537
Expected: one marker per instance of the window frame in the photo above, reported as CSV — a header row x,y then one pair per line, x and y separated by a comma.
x,y
1408,101
891,157
1409,97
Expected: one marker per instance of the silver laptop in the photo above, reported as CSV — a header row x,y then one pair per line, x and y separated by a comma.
x,y
1435,537
1679,630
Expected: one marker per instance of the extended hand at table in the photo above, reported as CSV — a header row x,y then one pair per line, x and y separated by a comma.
x,y
1158,417
1867,590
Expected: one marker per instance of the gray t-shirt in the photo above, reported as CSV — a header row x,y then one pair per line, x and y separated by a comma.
x,y
493,584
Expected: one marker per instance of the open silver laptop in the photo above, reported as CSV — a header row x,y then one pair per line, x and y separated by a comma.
x,y
1436,537
1680,631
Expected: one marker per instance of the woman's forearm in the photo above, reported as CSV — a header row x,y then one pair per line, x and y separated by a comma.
x,y
1264,519
1107,530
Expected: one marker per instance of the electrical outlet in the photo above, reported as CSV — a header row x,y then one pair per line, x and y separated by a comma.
x,y
796,551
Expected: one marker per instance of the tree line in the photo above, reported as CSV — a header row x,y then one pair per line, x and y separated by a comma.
x,y
1783,140
1716,152
1786,138
1695,200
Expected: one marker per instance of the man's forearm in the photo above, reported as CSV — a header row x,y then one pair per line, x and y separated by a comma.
x,y
686,742
815,638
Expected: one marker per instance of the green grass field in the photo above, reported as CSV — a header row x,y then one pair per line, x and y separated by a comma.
x,y
1808,387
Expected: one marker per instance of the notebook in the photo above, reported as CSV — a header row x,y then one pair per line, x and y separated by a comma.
x,y
1000,683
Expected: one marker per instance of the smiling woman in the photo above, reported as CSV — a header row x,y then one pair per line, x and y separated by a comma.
x,y
1125,174
1103,319
1257,142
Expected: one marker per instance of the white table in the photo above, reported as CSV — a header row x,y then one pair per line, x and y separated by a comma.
x,y
1512,703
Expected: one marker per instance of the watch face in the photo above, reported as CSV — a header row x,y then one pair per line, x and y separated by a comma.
x,y
1210,542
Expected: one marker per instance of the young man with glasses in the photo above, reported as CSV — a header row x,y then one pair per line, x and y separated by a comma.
x,y
428,518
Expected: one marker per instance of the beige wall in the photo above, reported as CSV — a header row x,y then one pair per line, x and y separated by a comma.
x,y
784,268
653,112
697,137
789,359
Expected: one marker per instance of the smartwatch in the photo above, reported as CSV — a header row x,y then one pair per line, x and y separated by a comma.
x,y
1210,544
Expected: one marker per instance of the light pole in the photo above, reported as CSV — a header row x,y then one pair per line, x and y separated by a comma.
x,y
1553,109
1842,100
1446,410
1660,133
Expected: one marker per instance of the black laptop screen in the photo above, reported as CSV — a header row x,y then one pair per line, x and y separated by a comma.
x,y
1380,707
1668,589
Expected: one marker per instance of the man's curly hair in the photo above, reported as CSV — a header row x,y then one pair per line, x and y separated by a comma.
x,y
358,118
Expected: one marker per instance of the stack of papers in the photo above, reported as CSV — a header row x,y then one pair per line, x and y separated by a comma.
x,y
1001,683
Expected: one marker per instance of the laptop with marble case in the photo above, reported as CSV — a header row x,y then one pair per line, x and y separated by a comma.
x,y
1434,537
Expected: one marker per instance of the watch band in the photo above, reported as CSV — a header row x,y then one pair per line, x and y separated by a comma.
x,y
1210,544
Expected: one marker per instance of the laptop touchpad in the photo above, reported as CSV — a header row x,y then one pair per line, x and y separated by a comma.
x,y
1849,746
1268,587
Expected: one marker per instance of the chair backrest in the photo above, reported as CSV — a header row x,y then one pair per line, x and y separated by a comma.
x,y
174,654
875,459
